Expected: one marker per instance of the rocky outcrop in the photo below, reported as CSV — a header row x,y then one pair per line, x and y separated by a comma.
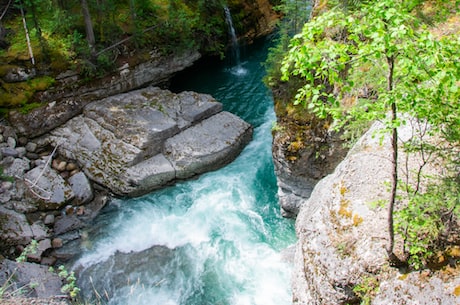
x,y
305,149
257,18
142,140
32,280
70,94
342,234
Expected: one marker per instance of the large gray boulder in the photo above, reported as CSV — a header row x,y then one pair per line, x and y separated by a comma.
x,y
139,141
342,235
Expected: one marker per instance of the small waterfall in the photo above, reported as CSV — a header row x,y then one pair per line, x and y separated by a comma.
x,y
238,69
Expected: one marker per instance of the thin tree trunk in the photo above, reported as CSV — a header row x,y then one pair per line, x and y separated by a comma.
x,y
29,45
393,259
89,28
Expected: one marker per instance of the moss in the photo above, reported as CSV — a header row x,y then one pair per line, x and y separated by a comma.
x,y
16,95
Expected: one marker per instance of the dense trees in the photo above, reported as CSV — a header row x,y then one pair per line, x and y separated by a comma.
x,y
376,61
67,31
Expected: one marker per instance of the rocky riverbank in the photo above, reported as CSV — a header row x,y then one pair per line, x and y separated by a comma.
x,y
130,144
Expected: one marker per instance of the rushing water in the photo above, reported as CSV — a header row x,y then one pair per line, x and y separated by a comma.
x,y
217,239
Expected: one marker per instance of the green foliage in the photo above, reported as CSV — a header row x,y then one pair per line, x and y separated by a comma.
x,y
427,220
30,249
70,286
358,66
366,289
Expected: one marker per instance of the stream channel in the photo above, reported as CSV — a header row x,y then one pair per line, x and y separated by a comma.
x,y
217,239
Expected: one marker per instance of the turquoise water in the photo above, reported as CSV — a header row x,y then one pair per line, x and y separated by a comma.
x,y
213,240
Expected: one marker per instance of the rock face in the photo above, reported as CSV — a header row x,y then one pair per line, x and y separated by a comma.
x,y
33,280
142,140
69,97
304,151
342,237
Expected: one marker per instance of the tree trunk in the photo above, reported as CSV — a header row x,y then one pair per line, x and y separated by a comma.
x,y
89,28
393,259
26,30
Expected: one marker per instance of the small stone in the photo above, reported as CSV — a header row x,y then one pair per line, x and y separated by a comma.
x,y
71,166
6,185
69,210
32,156
49,219
48,260
2,139
74,172
65,174
11,142
21,151
10,152
57,242
9,132
55,164
31,147
62,165
38,231
44,245
39,162
22,141
80,210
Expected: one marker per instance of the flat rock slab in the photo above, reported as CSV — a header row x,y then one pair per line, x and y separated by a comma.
x,y
139,141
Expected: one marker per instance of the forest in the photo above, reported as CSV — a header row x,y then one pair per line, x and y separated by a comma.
x,y
90,36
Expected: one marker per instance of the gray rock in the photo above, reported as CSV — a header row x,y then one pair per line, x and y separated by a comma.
x,y
9,131
49,219
17,168
31,147
342,238
418,288
11,142
32,279
19,74
42,246
71,103
137,142
64,224
49,188
209,145
21,152
14,229
39,231
81,187
9,152
22,141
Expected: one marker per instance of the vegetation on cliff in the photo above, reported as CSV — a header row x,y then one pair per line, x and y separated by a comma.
x,y
360,61
92,37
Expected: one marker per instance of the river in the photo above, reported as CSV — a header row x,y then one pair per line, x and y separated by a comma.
x,y
217,239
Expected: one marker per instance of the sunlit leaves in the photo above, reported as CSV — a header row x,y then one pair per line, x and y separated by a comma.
x,y
410,73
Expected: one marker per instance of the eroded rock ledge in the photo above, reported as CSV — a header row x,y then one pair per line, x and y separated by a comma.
x,y
139,141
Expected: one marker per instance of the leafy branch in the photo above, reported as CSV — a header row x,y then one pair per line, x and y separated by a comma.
x,y
412,74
